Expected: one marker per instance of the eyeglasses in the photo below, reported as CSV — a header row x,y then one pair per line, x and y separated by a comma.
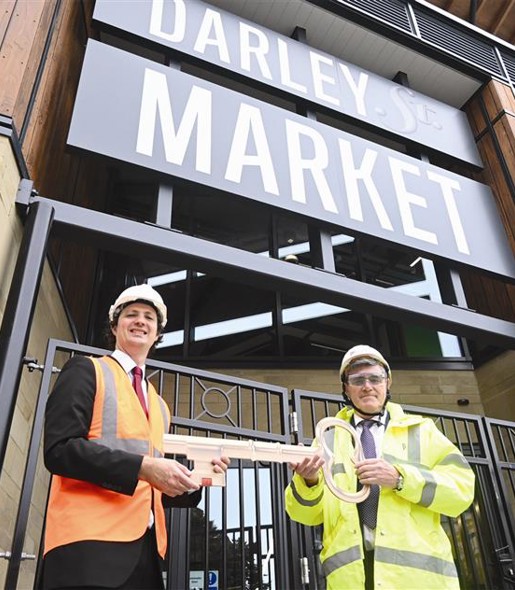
x,y
360,380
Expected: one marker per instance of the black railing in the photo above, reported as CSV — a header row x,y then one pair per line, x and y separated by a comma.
x,y
241,532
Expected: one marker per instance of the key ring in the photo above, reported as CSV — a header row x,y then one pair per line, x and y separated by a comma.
x,y
321,427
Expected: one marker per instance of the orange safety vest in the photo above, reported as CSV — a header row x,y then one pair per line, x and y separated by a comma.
x,y
82,511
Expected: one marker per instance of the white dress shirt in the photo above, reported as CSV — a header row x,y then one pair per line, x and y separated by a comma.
x,y
128,365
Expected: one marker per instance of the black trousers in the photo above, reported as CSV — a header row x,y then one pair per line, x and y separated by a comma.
x,y
147,573
369,570
100,570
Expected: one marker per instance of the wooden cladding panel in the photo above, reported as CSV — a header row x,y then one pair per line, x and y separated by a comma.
x,y
498,99
57,172
494,177
476,119
492,117
27,87
497,148
25,27
6,13
51,167
505,131
488,296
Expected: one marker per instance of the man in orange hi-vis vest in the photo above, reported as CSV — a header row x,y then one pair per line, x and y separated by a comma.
x,y
103,444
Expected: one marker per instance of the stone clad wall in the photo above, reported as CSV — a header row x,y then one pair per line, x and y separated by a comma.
x,y
496,380
428,389
49,322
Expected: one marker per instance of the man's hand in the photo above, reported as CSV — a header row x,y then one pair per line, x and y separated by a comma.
x,y
377,471
171,477
221,465
308,469
167,475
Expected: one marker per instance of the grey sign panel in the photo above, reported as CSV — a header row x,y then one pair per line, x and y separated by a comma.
x,y
212,35
138,111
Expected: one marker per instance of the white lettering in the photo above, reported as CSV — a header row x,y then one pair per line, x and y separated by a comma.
x,y
155,103
250,122
316,165
156,21
351,176
448,185
407,199
284,65
259,50
401,98
212,22
358,89
319,78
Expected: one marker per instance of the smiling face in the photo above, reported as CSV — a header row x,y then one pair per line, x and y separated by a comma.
x,y
136,330
366,385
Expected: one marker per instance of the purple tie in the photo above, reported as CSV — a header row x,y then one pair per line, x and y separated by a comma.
x,y
137,374
368,508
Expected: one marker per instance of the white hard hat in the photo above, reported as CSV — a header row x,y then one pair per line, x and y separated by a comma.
x,y
145,294
362,351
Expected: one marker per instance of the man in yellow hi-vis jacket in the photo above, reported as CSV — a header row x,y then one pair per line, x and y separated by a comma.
x,y
393,540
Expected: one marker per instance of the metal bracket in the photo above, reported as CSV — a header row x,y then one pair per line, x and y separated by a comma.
x,y
32,365
304,570
24,556
294,423
26,193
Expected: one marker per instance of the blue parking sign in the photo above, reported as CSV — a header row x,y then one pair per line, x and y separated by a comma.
x,y
213,580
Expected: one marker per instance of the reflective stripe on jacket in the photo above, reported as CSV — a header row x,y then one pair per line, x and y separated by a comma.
x,y
411,547
79,510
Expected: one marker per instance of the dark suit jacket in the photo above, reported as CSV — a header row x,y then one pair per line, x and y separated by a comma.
x,y
68,453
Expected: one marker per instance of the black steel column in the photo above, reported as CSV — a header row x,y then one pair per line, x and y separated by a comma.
x,y
277,309
27,487
19,311
320,245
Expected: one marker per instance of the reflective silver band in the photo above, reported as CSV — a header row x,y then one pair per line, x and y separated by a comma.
x,y
456,460
302,501
429,489
110,409
130,445
414,444
110,419
415,560
341,559
338,468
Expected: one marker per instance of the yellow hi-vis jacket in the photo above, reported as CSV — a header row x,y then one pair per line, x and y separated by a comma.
x,y
412,549
79,510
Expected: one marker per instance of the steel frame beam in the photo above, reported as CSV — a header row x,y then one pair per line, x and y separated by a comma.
x,y
164,244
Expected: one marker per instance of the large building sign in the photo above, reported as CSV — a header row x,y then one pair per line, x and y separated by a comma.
x,y
137,111
209,34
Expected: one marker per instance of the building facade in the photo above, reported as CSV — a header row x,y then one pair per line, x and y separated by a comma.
x,y
294,177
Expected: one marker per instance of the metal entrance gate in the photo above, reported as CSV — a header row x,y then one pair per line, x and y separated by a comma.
x,y
239,537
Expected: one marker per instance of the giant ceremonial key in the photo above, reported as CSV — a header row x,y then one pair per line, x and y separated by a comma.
x,y
201,451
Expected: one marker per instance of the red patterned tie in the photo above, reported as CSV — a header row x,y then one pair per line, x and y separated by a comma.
x,y
137,374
